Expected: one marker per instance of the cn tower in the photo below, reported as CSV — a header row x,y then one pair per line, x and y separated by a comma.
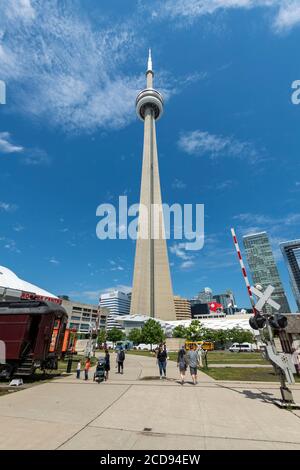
x,y
152,293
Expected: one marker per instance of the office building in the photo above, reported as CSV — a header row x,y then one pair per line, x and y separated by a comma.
x,y
227,300
85,317
182,308
264,270
205,296
291,254
117,302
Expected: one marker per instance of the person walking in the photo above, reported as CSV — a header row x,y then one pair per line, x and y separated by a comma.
x,y
181,363
78,370
162,361
107,364
87,368
120,360
193,359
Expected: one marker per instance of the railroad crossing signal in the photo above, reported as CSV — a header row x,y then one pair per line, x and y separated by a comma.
x,y
264,298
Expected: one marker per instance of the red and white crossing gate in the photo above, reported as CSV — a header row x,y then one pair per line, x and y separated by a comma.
x,y
243,270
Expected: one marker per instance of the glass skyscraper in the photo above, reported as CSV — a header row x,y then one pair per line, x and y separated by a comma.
x,y
291,254
263,268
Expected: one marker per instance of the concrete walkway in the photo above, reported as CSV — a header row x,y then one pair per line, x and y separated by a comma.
x,y
138,411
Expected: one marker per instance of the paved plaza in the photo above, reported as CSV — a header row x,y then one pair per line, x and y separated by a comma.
x,y
138,411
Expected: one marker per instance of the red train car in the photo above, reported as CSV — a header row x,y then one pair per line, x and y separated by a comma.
x,y
33,334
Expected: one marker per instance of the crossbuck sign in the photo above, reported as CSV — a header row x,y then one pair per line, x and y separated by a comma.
x,y
265,298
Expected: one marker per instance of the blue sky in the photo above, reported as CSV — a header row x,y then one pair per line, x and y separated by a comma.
x,y
70,140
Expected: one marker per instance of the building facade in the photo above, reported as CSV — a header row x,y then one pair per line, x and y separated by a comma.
x,y
152,293
205,296
291,254
263,268
117,302
85,317
182,308
227,299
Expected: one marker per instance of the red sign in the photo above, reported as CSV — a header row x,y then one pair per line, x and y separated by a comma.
x,y
32,296
215,307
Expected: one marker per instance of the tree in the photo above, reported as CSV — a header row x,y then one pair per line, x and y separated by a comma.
x,y
152,332
101,336
179,332
221,337
135,335
195,331
237,335
114,335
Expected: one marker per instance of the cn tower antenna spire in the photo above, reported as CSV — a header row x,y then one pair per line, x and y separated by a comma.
x,y
149,67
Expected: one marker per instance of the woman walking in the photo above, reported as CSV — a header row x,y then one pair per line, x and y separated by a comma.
x,y
193,360
162,361
107,364
181,363
87,368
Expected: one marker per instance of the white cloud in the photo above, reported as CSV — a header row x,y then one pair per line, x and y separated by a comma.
x,y
35,157
69,70
285,13
21,9
121,287
288,16
65,69
179,250
117,268
187,264
178,184
225,184
6,146
10,245
262,220
18,228
203,143
54,261
30,156
7,207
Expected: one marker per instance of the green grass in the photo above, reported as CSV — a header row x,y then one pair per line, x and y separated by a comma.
x,y
251,374
221,357
137,352
216,357
62,365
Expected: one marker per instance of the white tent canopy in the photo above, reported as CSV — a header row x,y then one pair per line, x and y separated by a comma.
x,y
9,280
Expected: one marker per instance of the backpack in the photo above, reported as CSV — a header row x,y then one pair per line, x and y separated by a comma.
x,y
121,356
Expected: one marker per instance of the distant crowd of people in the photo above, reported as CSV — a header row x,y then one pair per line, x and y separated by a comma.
x,y
191,359
120,358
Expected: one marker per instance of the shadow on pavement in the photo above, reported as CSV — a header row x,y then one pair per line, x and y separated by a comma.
x,y
261,396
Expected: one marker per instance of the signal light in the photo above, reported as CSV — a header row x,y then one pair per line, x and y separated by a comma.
x,y
278,322
257,322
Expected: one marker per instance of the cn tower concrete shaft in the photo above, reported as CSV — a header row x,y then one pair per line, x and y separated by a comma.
x,y
152,293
